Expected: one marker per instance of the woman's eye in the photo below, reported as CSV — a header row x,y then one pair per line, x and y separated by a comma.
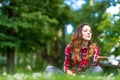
x,y
85,30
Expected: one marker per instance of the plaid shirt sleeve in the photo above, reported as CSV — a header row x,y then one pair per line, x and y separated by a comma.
x,y
67,58
96,54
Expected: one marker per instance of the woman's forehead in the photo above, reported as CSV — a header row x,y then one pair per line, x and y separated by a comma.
x,y
86,27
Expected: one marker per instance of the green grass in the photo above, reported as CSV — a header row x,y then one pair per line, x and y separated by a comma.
x,y
46,76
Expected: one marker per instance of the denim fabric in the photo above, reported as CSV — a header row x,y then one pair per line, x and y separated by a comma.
x,y
53,69
94,70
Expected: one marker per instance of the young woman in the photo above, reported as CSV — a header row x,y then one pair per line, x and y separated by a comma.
x,y
81,54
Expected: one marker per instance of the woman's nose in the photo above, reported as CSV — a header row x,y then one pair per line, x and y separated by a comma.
x,y
88,33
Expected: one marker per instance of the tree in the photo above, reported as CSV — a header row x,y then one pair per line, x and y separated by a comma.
x,y
28,26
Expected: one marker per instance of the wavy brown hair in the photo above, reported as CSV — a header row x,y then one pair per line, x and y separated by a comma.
x,y
76,43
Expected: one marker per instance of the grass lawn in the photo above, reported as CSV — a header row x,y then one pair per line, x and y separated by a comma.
x,y
50,76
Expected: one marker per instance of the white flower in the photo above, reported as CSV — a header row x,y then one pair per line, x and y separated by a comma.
x,y
36,75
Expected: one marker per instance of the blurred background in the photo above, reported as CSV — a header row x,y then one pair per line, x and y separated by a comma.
x,y
34,33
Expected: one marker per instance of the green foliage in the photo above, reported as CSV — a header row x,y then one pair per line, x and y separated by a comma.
x,y
111,37
7,40
36,20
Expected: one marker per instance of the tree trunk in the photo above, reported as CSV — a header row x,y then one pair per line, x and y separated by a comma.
x,y
10,54
10,60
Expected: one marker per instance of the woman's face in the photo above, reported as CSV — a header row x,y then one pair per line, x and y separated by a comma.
x,y
86,33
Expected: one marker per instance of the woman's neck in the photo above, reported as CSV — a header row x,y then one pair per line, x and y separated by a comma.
x,y
84,44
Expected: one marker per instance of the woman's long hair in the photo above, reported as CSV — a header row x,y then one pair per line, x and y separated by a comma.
x,y
76,42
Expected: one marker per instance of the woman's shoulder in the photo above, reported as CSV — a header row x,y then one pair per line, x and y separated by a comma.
x,y
68,46
68,49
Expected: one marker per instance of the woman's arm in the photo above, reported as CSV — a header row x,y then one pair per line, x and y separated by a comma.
x,y
67,58
96,54
98,58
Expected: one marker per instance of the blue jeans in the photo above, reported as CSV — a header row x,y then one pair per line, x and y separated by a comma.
x,y
94,70
53,69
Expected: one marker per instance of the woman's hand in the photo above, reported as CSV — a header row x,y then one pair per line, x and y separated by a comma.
x,y
69,72
102,58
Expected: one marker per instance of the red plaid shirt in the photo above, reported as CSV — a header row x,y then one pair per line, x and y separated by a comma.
x,y
83,62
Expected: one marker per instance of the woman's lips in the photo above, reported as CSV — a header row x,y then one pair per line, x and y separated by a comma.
x,y
88,36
